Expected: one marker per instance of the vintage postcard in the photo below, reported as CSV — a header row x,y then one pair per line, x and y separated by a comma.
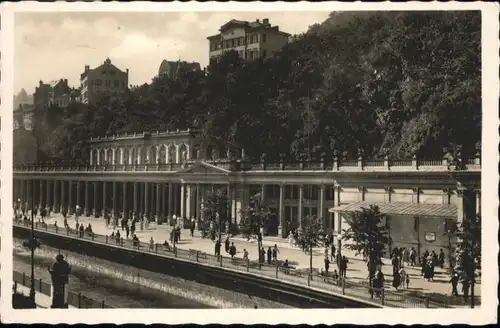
x,y
163,161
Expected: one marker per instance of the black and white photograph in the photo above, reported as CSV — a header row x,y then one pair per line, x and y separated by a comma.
x,y
251,160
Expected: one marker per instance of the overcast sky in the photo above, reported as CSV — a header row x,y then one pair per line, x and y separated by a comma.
x,y
51,46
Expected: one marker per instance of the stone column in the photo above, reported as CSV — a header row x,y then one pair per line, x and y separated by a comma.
x,y
49,194
163,202
337,217
321,207
96,199
104,209
78,194
136,197
41,203
86,209
29,193
71,208
183,199
170,199
281,210
189,202
146,196
158,203
301,203
55,196
115,200
263,192
125,206
176,199
64,207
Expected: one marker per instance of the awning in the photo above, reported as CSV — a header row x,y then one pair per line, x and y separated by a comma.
x,y
403,209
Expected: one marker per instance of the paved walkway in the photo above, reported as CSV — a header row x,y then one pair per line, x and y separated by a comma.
x,y
356,268
42,301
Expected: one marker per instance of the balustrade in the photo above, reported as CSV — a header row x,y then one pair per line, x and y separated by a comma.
x,y
387,164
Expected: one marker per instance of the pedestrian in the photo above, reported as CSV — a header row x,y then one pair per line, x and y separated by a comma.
x,y
332,251
405,279
269,255
441,258
232,250
151,244
127,231
227,244
327,265
275,253
343,267
81,229
262,255
326,252
191,229
290,239
454,283
141,224
132,228
413,257
395,263
406,256
245,254
378,282
465,288
217,248
396,280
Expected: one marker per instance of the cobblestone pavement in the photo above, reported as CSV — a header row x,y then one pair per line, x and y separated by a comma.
x,y
356,268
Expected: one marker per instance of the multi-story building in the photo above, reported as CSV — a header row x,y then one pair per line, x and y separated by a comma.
x,y
53,93
172,68
22,98
170,173
251,40
23,117
103,80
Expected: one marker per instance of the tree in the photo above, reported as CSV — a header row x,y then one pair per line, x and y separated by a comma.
x,y
215,209
469,249
254,217
367,233
311,234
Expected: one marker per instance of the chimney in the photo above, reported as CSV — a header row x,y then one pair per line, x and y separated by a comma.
x,y
66,81
265,21
257,20
87,68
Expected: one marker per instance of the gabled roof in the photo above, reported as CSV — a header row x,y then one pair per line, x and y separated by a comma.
x,y
201,167
233,22
403,209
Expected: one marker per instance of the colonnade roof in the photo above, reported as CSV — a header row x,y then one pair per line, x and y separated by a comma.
x,y
143,135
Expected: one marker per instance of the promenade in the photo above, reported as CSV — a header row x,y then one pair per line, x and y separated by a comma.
x,y
438,289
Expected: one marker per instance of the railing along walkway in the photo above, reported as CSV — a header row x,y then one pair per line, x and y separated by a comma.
x,y
341,287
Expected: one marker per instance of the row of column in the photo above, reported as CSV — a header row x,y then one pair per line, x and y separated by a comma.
x,y
155,200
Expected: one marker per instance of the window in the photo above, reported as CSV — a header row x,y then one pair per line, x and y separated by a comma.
x,y
116,83
264,53
232,43
264,37
238,41
108,83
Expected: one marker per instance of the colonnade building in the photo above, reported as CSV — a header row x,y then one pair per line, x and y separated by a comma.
x,y
169,173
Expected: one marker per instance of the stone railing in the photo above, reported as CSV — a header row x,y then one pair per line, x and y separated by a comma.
x,y
134,135
337,165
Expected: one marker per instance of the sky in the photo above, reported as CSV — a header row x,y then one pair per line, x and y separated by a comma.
x,y
51,46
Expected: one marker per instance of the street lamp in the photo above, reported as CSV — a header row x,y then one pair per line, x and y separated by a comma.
x,y
32,244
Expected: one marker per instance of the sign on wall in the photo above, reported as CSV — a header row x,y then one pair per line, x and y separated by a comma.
x,y
430,236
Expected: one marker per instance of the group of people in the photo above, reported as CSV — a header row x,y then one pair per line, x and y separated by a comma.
x,y
272,254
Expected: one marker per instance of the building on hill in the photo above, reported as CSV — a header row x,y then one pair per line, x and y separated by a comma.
x,y
23,117
56,93
251,40
172,68
102,80
22,98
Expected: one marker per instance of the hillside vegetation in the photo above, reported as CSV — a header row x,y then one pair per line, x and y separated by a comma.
x,y
369,83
